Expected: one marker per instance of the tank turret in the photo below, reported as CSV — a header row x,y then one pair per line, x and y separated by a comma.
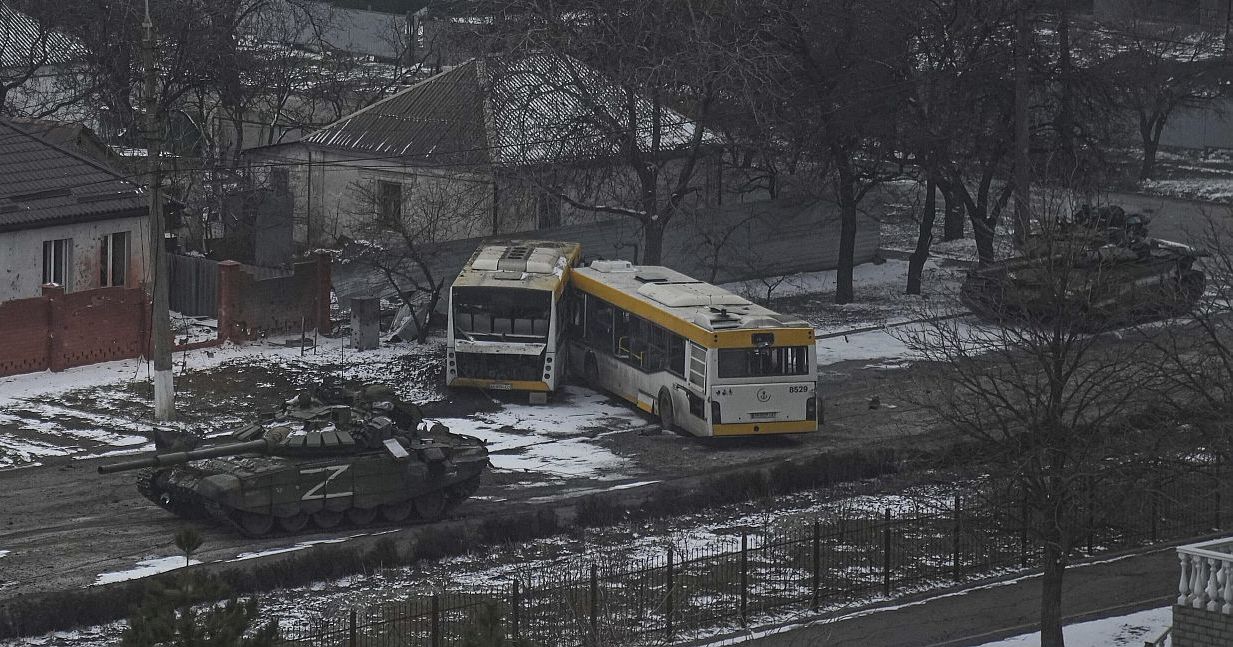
x,y
1098,266
323,461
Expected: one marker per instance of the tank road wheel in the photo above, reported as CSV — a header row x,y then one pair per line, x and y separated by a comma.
x,y
294,523
361,516
430,506
255,524
326,519
397,512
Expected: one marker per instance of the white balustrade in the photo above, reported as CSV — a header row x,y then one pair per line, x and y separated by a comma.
x,y
1206,580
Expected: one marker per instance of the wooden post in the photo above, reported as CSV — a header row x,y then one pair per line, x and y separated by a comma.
x,y
594,604
1219,483
1023,533
886,553
513,605
436,620
352,638
1091,517
668,598
817,568
744,576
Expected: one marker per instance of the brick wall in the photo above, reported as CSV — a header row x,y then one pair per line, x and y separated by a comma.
x,y
58,330
249,307
1201,628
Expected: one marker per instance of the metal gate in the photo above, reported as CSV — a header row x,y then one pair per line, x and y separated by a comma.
x,y
194,285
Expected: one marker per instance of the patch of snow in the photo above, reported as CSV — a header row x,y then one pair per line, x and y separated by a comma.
x,y
145,568
557,438
1131,629
300,546
4,552
875,344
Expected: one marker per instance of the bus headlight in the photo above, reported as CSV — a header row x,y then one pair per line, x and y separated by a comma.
x,y
716,418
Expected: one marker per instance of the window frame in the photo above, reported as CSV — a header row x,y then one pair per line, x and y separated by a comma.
x,y
107,260
61,258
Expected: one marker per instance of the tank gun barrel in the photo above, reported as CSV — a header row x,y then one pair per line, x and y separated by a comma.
x,y
177,458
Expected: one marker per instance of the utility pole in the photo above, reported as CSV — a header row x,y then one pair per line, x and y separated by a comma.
x,y
164,390
1023,178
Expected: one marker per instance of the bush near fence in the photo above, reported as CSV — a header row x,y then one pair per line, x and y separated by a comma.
x,y
813,564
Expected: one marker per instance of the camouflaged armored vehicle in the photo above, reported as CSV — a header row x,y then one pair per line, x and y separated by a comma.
x,y
319,462
1098,266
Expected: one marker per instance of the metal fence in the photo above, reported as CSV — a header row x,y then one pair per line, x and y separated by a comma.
x,y
194,283
807,564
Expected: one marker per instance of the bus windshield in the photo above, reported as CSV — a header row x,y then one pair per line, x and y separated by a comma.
x,y
502,314
763,361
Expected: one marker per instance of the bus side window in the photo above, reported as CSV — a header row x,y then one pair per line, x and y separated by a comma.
x,y
676,354
656,351
599,324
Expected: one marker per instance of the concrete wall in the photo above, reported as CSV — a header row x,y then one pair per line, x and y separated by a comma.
x,y
1200,128
21,255
1201,628
333,196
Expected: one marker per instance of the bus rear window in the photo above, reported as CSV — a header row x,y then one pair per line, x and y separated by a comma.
x,y
502,314
763,362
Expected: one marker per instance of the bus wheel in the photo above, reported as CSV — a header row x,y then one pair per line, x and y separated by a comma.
x,y
667,416
590,371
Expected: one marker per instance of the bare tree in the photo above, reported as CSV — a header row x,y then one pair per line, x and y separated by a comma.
x,y
1047,403
837,90
1158,68
402,230
632,85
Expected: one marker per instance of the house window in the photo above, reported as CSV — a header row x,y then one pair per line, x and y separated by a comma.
x,y
389,200
56,261
113,260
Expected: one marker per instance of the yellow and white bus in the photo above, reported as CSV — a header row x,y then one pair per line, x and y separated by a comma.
x,y
506,319
704,360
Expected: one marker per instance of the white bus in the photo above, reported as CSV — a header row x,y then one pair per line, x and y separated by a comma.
x,y
506,319
704,360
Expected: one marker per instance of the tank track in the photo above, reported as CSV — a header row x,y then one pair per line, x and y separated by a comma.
x,y
187,504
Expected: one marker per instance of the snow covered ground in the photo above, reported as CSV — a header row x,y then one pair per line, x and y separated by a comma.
x,y
1132,629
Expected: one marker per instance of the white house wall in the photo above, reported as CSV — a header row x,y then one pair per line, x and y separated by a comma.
x,y
21,255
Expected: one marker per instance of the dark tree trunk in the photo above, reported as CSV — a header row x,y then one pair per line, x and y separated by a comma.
x,y
924,239
952,225
847,232
1051,597
1150,132
652,242
422,332
1066,116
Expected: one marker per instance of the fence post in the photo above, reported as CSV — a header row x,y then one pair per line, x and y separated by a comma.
x,y
1091,521
594,604
668,598
1155,502
1218,484
352,640
955,535
886,552
436,620
817,570
514,609
744,575
1023,533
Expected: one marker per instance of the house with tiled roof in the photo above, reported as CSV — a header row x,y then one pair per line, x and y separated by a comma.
x,y
474,132
66,219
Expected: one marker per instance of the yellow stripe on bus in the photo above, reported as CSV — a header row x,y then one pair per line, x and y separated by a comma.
x,y
763,428
514,385
741,338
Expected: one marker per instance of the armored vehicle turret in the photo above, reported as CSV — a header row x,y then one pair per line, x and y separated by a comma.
x,y
1099,267
320,460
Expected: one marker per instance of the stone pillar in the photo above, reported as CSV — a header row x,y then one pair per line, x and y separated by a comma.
x,y
228,274
55,326
365,323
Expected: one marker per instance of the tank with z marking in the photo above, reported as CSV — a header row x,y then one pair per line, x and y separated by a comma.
x,y
324,460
